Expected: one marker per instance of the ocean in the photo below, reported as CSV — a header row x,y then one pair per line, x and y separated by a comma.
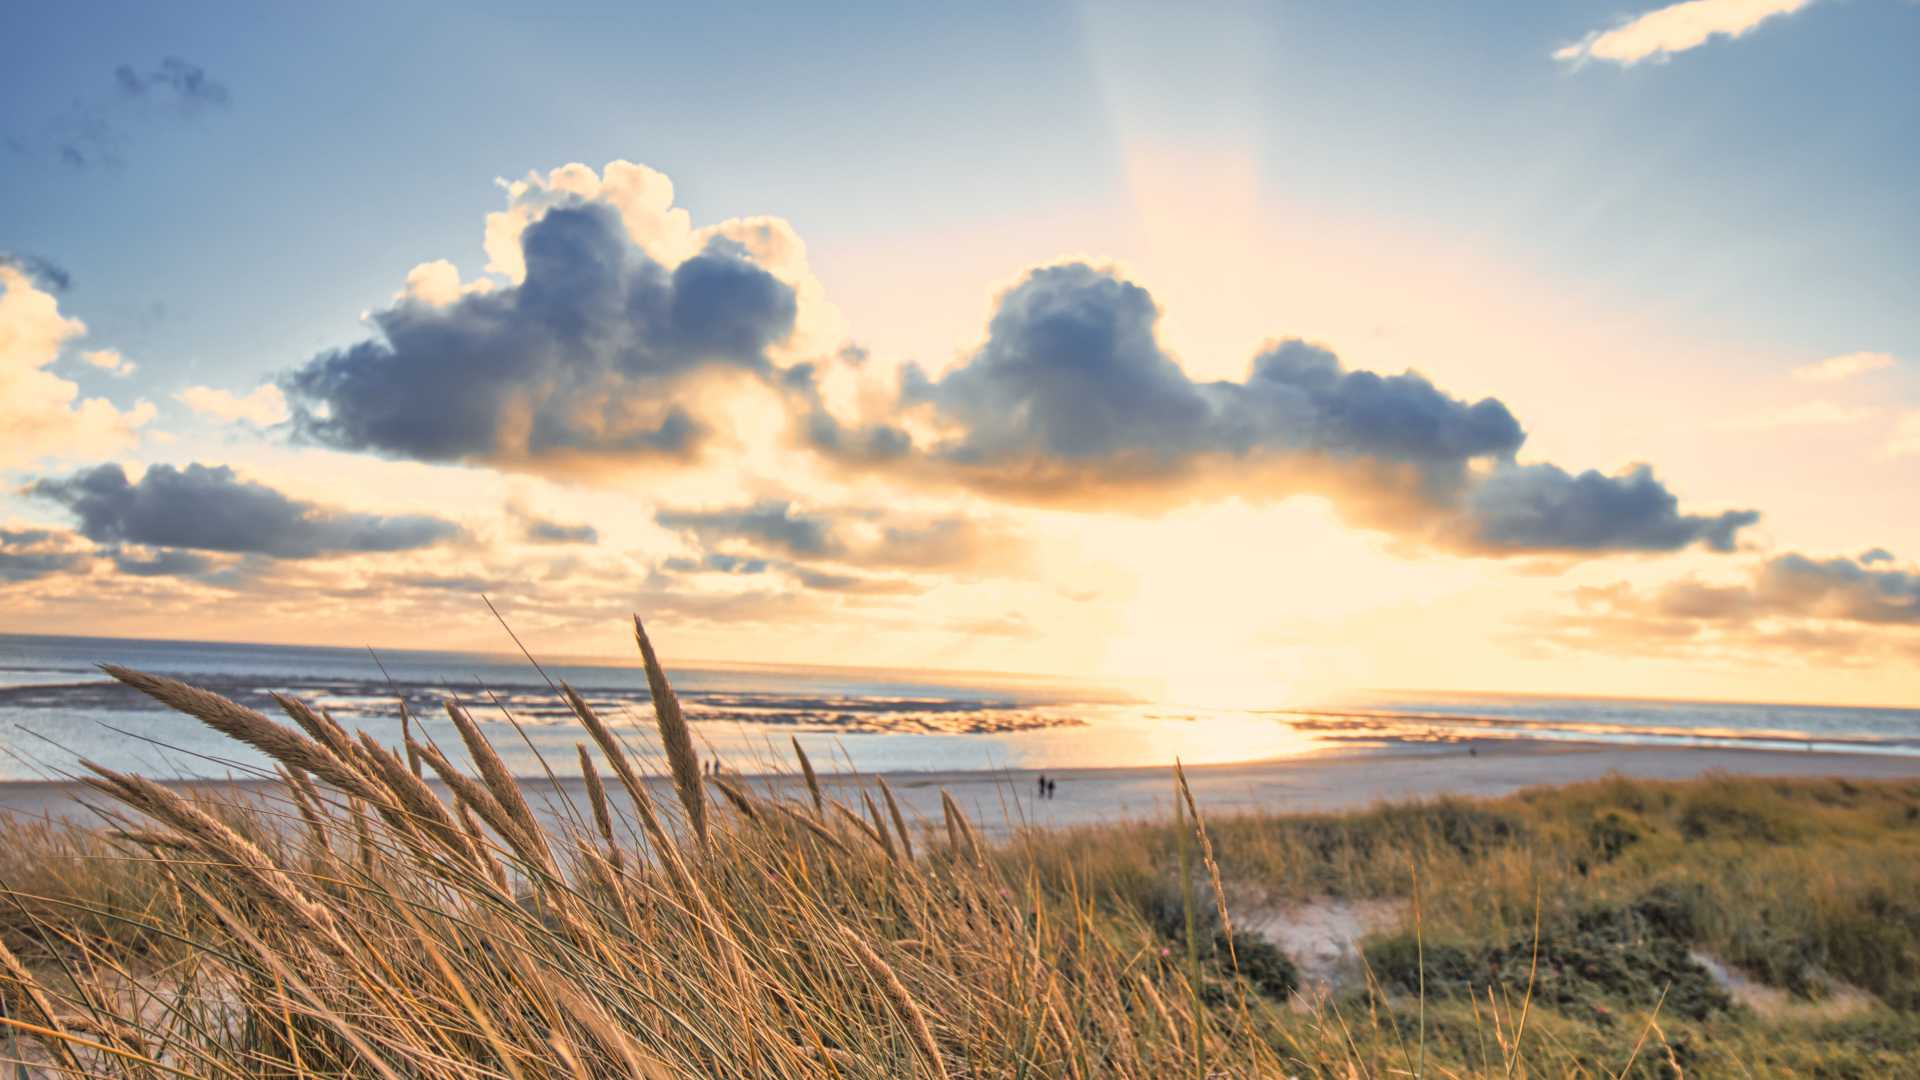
x,y
56,707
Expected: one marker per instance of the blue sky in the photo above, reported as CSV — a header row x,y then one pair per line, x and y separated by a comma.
x,y
1728,212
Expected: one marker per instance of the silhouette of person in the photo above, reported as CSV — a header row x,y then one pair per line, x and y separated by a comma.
x,y
1042,782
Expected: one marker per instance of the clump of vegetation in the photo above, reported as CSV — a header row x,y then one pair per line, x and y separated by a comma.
x,y
390,912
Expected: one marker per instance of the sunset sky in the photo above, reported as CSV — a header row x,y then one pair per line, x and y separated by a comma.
x,y
1258,351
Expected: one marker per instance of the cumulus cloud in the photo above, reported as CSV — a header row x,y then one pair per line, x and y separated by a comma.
x,y
1073,400
1847,366
1543,508
40,413
263,407
92,132
202,508
1676,28
622,327
596,356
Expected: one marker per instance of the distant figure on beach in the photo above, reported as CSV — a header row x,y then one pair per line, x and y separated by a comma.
x,y
1042,782
1051,785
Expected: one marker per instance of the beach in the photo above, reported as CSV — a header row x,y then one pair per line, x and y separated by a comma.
x,y
1335,780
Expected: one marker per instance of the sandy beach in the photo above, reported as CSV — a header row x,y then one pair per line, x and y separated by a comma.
x,y
1335,780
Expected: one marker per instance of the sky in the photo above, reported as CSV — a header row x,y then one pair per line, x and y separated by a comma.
x,y
1255,352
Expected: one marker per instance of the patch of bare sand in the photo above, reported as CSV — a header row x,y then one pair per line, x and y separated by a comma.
x,y
1322,937
1772,1003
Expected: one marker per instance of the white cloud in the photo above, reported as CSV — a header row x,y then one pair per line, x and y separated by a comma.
x,y
643,197
110,361
1905,441
40,415
438,283
264,407
1835,368
1675,28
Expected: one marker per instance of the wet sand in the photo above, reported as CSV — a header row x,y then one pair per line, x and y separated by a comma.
x,y
1000,801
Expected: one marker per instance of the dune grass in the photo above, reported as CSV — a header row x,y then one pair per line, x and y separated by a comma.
x,y
359,922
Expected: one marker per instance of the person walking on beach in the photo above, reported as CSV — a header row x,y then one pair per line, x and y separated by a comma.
x,y
1042,782
1051,785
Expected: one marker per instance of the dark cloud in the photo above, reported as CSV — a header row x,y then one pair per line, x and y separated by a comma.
x,y
45,272
1072,399
1838,589
771,524
30,554
205,508
1876,555
541,531
1543,508
595,357
828,581
717,563
92,131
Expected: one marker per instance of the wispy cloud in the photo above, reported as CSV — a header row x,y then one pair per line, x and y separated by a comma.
x,y
1676,28
1805,414
1906,436
264,407
92,132
109,361
1846,366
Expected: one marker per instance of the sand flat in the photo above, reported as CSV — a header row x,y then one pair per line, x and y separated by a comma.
x,y
1334,780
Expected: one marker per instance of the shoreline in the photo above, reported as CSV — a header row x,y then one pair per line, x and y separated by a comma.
x,y
1325,781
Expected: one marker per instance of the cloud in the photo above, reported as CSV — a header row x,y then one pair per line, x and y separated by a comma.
x,y
770,524
596,357
1842,610
863,537
166,562
43,272
110,361
1072,400
41,414
265,406
29,554
541,531
179,83
1836,368
91,131
204,508
438,284
1805,414
1676,28
1544,509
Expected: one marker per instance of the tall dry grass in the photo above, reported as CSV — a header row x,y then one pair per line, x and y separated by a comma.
x,y
365,925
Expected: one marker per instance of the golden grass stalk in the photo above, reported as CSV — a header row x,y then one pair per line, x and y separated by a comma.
x,y
1206,857
904,1007
597,796
959,833
28,990
880,830
500,782
813,782
268,880
674,736
899,819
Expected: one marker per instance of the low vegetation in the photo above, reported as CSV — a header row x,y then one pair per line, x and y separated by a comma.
x,y
393,913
